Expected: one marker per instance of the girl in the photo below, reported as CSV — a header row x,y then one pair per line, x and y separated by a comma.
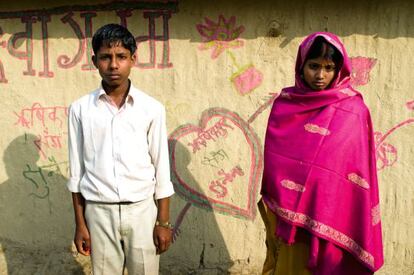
x,y
319,187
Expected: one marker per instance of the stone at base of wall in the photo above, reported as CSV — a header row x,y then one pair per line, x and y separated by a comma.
x,y
16,258
236,269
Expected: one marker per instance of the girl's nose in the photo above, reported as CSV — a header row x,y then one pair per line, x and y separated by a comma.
x,y
319,73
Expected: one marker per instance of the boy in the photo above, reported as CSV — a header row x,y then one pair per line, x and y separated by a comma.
x,y
118,153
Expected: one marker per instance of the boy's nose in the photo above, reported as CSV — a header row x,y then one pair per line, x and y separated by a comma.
x,y
113,64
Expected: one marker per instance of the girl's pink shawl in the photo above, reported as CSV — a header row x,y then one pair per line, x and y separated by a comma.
x,y
320,172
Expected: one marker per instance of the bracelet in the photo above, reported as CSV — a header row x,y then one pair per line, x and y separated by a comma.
x,y
167,224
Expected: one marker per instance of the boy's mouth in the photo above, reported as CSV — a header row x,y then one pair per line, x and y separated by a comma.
x,y
114,76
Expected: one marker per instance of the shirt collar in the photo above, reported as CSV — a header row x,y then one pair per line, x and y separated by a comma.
x,y
133,94
131,97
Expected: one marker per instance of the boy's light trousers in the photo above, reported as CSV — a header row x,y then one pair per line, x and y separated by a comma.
x,y
122,237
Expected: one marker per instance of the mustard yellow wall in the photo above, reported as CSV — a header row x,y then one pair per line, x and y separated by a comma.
x,y
217,96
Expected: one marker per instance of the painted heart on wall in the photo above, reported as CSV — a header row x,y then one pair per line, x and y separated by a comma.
x,y
217,164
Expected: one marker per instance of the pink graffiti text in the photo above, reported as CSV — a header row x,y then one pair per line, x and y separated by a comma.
x,y
83,32
46,140
218,130
37,114
214,158
218,186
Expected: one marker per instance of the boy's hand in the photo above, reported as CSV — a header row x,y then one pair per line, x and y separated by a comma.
x,y
162,238
82,240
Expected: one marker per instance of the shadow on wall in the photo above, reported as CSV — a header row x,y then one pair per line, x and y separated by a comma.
x,y
36,216
199,246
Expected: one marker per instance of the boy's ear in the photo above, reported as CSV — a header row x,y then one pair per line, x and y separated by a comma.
x,y
94,60
134,57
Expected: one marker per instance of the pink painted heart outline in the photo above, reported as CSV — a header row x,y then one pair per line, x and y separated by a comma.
x,y
200,200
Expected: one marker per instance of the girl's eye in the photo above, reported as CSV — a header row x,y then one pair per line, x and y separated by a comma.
x,y
314,66
329,68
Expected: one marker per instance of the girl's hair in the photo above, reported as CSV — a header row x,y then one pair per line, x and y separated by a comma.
x,y
110,35
321,48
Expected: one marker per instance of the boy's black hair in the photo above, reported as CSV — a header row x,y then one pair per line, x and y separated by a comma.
x,y
322,48
110,35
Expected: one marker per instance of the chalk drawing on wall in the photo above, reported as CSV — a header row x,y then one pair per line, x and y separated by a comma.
x,y
387,154
39,177
222,36
2,45
47,126
246,78
222,181
31,181
410,105
49,122
156,13
45,130
216,165
361,68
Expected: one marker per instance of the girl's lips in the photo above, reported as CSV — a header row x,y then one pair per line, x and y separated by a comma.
x,y
319,84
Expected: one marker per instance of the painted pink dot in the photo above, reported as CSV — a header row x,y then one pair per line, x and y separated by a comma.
x,y
361,68
410,105
247,80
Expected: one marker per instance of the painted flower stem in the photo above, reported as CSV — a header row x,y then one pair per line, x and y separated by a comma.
x,y
179,220
233,59
399,125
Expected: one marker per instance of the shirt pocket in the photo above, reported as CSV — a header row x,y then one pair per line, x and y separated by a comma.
x,y
134,142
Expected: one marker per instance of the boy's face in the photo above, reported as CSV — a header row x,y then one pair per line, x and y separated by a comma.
x,y
114,63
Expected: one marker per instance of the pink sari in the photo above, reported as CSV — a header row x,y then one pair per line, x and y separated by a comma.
x,y
320,172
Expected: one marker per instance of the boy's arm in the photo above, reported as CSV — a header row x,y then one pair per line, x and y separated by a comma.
x,y
75,142
158,149
82,239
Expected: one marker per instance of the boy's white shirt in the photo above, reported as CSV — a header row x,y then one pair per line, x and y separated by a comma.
x,y
118,155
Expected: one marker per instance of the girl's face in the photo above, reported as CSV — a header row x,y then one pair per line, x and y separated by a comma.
x,y
318,73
